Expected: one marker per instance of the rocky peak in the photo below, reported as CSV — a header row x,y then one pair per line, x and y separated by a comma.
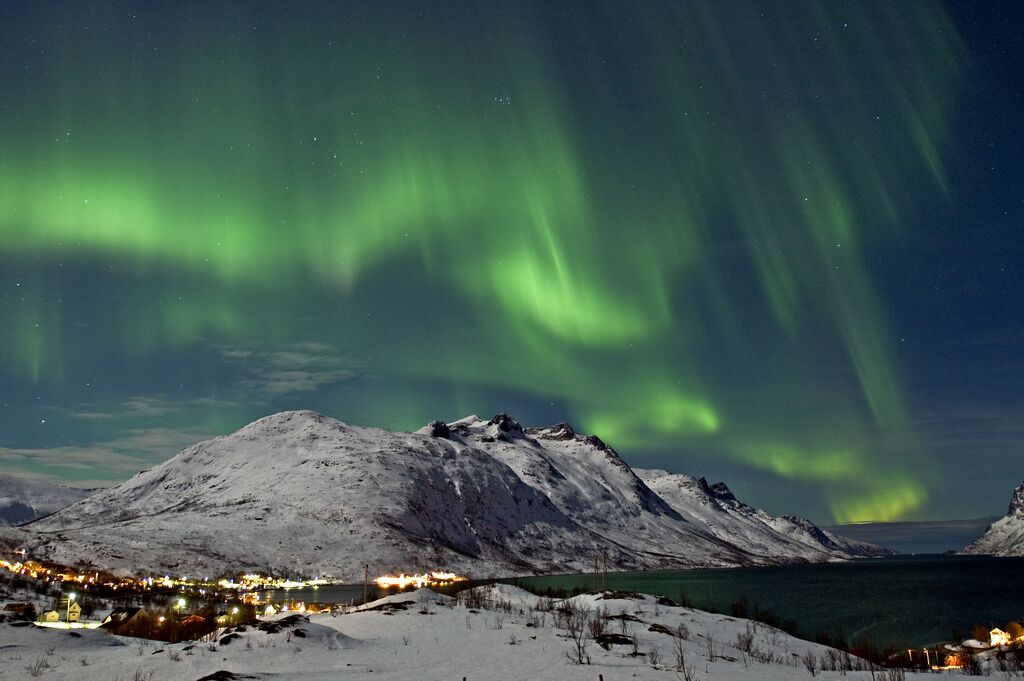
x,y
1017,501
719,490
505,423
438,429
560,431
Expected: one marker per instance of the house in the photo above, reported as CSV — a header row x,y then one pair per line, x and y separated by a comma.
x,y
50,616
22,610
269,610
128,622
998,637
74,612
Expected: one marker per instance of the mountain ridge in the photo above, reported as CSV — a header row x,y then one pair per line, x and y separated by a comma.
x,y
23,500
1004,537
299,492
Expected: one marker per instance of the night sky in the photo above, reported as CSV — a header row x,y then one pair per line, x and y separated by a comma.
x,y
775,243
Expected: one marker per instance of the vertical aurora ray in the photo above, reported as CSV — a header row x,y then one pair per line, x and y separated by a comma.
x,y
661,216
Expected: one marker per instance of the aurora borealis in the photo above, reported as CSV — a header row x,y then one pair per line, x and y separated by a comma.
x,y
720,236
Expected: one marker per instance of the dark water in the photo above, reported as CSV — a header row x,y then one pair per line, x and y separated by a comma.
x,y
336,593
906,601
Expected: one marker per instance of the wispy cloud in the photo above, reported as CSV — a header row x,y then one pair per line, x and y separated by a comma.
x,y
108,462
297,368
146,407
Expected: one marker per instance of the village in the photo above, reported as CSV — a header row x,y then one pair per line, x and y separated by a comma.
x,y
170,608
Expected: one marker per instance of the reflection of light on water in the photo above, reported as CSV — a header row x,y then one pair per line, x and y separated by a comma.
x,y
427,579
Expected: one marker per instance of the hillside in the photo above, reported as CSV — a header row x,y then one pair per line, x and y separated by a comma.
x,y
1004,537
24,499
298,492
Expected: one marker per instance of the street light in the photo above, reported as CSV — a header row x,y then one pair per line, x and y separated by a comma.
x,y
180,604
67,618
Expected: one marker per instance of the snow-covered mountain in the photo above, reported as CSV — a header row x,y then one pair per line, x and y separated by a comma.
x,y
717,509
298,492
1004,537
24,499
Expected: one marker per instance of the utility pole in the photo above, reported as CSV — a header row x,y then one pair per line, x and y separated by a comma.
x,y
67,618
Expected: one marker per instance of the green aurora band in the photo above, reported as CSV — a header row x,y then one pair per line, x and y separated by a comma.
x,y
662,216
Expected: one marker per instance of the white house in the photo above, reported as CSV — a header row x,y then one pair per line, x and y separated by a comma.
x,y
998,637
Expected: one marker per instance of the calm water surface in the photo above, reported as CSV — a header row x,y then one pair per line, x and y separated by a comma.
x,y
907,601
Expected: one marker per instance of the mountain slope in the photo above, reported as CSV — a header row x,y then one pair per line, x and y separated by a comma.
x,y
716,508
24,499
1004,537
298,492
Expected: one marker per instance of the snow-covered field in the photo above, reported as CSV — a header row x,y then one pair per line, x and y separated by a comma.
x,y
504,633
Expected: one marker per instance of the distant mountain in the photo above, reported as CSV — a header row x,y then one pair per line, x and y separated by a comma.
x,y
718,510
917,537
1004,537
24,499
298,492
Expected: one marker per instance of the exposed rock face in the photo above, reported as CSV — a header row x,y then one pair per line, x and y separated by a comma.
x,y
300,493
438,429
1005,537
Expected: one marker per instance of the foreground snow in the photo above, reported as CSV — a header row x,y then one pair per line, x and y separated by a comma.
x,y
421,635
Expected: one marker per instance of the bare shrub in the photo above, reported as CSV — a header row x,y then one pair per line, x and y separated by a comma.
x,y
597,625
745,639
576,628
810,662
174,655
37,667
709,646
682,667
678,652
653,656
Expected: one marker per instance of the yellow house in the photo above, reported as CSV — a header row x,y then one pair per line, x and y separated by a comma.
x,y
74,612
50,616
998,637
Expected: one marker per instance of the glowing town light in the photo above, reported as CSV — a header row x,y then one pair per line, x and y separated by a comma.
x,y
404,581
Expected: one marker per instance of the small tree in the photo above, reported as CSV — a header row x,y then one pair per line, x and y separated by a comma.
x,y
979,633
810,661
576,627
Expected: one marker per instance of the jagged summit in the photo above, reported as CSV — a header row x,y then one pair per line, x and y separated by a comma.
x,y
1004,537
1017,501
302,492
505,423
